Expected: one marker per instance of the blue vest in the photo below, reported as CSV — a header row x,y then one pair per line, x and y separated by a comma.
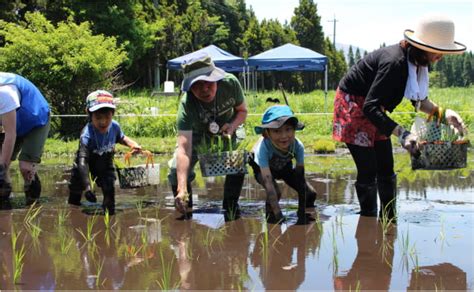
x,y
34,109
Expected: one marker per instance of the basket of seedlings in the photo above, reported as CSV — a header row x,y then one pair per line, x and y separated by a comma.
x,y
441,145
222,157
136,176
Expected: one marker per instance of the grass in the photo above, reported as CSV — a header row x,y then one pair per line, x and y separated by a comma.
x,y
335,251
309,108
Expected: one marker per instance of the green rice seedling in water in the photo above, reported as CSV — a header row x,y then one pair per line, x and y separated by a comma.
x,y
139,205
357,287
66,244
98,281
335,252
165,283
414,259
63,214
89,235
18,255
319,224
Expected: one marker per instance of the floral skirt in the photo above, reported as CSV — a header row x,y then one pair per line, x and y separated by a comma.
x,y
350,125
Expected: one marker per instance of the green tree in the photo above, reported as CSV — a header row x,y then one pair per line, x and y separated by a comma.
x,y
307,25
357,55
350,57
65,61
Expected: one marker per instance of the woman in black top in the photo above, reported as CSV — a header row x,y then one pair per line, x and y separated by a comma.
x,y
377,83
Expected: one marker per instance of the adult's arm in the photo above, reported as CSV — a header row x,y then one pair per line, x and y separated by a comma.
x,y
240,116
9,126
183,161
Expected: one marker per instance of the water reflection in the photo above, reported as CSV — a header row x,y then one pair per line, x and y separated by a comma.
x,y
146,248
444,276
280,254
372,267
210,258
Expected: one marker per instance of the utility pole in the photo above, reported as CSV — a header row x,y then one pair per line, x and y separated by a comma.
x,y
334,20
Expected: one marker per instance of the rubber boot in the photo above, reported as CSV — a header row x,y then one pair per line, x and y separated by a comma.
x,y
32,191
189,214
387,187
5,203
310,196
109,199
232,188
367,195
74,197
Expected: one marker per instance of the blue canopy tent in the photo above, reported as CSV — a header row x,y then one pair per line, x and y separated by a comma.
x,y
290,57
221,58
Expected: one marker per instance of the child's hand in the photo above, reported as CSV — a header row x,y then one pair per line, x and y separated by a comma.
x,y
136,148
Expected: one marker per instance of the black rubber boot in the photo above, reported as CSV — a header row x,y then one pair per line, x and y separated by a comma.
x,y
310,196
387,187
108,189
232,188
367,195
33,191
5,203
74,197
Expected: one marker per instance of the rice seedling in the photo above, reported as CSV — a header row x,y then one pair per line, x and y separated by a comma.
x,y
319,224
385,220
98,281
264,240
335,252
165,283
139,206
66,243
32,222
89,235
63,214
357,288
414,259
18,255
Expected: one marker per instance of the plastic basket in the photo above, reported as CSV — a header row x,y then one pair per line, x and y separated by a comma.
x,y
441,155
435,152
223,163
136,176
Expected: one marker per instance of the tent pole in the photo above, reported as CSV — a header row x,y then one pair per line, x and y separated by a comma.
x,y
326,88
167,74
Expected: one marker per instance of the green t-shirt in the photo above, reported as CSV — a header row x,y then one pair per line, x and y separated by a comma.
x,y
195,115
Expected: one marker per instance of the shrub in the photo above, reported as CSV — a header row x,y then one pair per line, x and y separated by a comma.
x,y
66,62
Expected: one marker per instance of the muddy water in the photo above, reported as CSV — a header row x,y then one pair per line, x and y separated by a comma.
x,y
145,247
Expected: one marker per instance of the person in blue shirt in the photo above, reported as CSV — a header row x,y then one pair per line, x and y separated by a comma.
x,y
96,152
272,158
25,120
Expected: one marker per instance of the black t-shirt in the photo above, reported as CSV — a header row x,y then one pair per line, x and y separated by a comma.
x,y
381,77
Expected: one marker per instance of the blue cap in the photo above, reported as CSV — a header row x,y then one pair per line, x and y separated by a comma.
x,y
276,116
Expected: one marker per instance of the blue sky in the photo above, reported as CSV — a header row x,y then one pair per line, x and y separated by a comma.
x,y
369,23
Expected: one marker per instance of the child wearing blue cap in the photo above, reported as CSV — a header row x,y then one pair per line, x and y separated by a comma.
x,y
272,158
96,152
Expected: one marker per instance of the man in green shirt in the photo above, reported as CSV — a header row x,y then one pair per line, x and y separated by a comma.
x,y
213,104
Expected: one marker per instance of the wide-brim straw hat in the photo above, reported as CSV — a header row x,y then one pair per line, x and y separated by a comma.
x,y
435,33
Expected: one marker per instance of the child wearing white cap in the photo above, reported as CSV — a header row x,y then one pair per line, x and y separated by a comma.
x,y
96,152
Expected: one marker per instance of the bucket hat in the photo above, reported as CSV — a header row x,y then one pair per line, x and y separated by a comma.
x,y
200,67
276,116
435,33
99,99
